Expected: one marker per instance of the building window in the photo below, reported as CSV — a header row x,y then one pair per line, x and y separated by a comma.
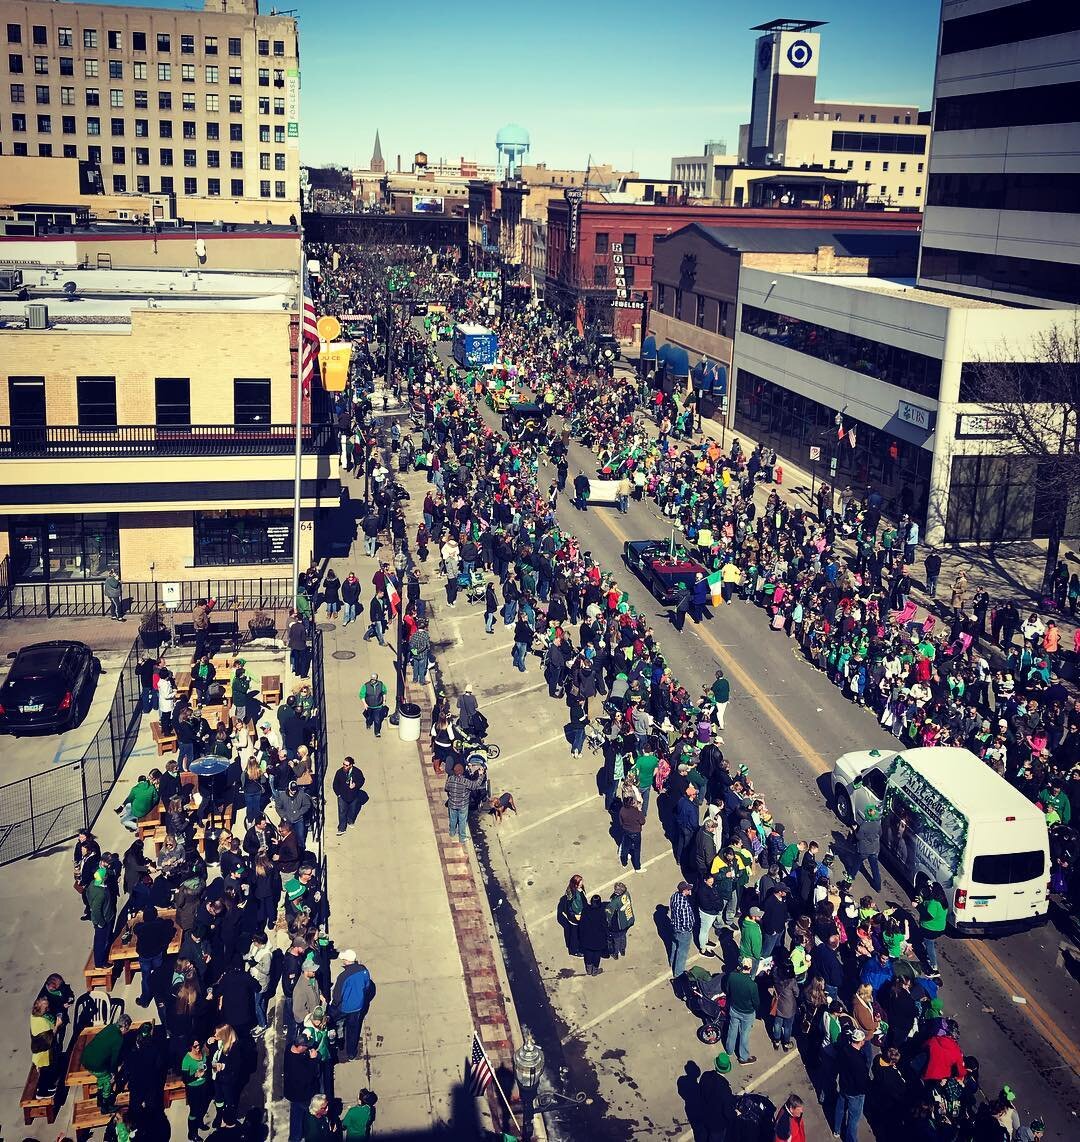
x,y
187,45
210,45
164,128
279,47
138,41
213,187
189,129
41,95
251,401
884,166
164,72
1017,22
236,104
41,65
90,68
264,109
235,46
236,132
699,318
116,69
279,106
213,102
119,184
191,186
601,243
915,372
878,141
213,159
164,100
18,123
236,187
15,64
241,538
187,73
142,128
187,100
164,42
264,188
899,192
279,134
264,77
67,125
279,163
70,150
14,33
142,100
678,304
211,73
236,160
142,156
142,183
63,37
138,71
64,547
190,159
279,77
235,76
279,189
89,38
44,150
116,97
873,118
264,47
166,184
264,161
629,243
119,156
165,156
96,401
18,93
867,165
67,65
882,190
172,401
19,149
1027,277
93,127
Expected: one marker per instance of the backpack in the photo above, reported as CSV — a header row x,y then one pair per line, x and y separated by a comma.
x,y
754,1118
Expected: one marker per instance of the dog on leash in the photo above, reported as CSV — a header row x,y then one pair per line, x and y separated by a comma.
x,y
497,806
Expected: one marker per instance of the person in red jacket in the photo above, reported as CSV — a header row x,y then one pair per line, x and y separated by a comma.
x,y
944,1057
789,1125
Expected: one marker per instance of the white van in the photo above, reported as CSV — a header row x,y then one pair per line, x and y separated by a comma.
x,y
949,819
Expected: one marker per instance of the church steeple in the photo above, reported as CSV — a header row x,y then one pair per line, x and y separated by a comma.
x,y
377,163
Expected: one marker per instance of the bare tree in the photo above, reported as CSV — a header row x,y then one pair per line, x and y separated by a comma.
x,y
1038,399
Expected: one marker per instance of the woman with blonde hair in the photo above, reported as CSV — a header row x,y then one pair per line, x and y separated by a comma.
x,y
863,1010
229,1070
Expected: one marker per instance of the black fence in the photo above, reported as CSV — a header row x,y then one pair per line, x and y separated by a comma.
x,y
213,440
81,598
50,807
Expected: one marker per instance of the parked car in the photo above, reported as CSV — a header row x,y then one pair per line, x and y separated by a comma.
x,y
668,574
49,687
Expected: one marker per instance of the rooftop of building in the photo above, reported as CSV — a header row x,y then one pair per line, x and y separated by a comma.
x,y
107,298
907,289
804,240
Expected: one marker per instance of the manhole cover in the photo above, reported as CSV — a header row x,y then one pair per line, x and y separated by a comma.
x,y
326,628
344,655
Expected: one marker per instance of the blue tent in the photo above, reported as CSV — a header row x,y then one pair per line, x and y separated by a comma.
x,y
648,348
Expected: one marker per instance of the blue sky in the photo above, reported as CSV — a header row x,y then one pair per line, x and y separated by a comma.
x,y
629,81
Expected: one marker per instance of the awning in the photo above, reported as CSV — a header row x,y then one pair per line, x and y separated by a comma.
x,y
719,379
701,374
648,348
677,361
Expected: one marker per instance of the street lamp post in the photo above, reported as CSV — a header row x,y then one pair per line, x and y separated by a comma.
x,y
528,1069
400,564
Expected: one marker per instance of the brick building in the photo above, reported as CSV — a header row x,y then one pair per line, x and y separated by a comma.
x,y
585,276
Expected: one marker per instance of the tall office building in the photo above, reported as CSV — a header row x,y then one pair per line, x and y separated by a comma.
x,y
1002,214
196,104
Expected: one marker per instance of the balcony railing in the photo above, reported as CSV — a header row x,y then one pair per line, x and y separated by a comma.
x,y
175,440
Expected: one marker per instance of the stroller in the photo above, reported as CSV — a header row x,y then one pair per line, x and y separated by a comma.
x,y
701,992
474,586
595,738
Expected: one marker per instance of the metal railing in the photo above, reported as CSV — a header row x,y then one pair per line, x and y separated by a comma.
x,y
153,440
50,807
82,598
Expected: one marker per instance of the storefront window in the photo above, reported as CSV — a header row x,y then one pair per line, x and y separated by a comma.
x,y
228,539
64,547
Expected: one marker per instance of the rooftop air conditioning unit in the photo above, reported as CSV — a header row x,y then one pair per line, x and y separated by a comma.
x,y
10,280
37,316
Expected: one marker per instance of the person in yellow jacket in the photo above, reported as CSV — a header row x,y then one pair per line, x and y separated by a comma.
x,y
730,578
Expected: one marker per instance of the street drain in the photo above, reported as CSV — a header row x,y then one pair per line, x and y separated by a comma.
x,y
344,655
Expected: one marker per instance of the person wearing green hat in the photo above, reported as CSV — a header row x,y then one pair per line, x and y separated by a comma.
x,y
718,1116
867,842
101,901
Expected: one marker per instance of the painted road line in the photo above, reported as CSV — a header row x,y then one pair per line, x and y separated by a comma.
x,y
551,816
479,654
752,1085
514,694
1043,1022
625,1002
522,752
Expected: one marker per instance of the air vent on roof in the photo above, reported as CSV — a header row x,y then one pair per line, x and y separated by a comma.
x,y
37,316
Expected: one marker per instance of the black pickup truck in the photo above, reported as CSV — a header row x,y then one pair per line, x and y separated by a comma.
x,y
668,575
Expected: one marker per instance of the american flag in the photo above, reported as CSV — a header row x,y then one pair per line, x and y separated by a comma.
x,y
309,341
478,1072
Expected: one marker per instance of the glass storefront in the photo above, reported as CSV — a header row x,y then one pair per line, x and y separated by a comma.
x,y
793,424
64,547
235,538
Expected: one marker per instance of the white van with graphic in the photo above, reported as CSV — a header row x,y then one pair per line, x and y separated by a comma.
x,y
949,819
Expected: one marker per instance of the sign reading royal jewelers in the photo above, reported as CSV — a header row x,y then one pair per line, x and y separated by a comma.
x,y
621,292
574,196
915,415
989,425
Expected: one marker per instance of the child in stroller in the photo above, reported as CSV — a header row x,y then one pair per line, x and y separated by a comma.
x,y
473,585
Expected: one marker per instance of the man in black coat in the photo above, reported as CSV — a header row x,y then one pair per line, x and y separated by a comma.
x,y
717,1100
300,1082
235,993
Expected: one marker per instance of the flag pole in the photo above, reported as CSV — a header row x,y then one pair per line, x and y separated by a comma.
x,y
298,442
506,1102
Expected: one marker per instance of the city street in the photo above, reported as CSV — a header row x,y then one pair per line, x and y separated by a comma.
x,y
625,1038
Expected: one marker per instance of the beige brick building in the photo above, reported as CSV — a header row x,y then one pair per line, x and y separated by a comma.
x,y
156,435
201,106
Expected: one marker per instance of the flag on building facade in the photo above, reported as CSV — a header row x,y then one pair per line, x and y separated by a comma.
x,y
851,436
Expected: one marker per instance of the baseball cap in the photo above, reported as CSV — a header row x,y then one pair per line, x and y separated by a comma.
x,y
755,911
857,1035
349,956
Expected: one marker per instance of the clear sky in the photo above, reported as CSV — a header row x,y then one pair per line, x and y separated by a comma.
x,y
631,82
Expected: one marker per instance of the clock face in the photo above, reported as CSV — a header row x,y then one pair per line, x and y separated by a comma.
x,y
764,59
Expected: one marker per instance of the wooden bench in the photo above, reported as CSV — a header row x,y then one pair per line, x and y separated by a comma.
x,y
125,956
88,1115
166,743
183,682
96,977
156,836
270,689
34,1106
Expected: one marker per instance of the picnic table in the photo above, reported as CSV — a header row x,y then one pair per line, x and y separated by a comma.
x,y
125,956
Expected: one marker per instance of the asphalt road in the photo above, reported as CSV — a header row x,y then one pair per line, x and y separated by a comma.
x,y
624,1037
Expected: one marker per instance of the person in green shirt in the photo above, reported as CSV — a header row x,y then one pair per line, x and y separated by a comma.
x,y
721,692
750,937
1053,797
742,994
358,1119
142,798
646,770
101,1057
933,916
198,1091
